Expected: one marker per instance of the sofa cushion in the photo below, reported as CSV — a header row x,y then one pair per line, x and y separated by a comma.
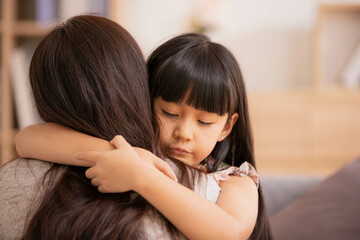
x,y
329,210
280,191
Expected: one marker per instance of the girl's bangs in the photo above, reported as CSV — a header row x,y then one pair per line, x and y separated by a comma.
x,y
197,82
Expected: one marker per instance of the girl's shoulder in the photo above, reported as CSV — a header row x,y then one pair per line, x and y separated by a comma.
x,y
227,174
225,171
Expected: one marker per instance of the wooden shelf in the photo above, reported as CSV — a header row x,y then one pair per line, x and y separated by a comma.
x,y
339,7
8,145
10,29
10,140
12,133
30,28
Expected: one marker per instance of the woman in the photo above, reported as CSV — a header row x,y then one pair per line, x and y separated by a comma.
x,y
87,74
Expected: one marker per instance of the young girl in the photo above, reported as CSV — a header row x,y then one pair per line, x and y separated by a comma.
x,y
199,99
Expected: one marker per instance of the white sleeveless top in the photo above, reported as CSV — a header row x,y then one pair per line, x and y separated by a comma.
x,y
208,184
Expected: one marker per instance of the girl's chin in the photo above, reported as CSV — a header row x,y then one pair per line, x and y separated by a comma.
x,y
187,162
183,160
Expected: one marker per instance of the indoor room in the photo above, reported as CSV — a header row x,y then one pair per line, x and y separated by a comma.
x,y
299,61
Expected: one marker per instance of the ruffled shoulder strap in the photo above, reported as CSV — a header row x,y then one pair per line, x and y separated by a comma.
x,y
245,169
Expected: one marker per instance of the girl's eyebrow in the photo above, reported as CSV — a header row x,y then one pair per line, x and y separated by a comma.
x,y
174,103
209,114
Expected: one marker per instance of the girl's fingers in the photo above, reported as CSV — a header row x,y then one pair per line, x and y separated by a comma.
x,y
101,189
118,141
95,182
90,173
165,168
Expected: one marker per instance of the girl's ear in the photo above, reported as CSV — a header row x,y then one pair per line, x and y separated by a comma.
x,y
228,127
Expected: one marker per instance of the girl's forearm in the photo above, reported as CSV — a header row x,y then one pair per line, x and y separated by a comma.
x,y
197,218
56,143
192,214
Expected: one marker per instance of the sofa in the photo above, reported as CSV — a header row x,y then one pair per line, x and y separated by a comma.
x,y
313,207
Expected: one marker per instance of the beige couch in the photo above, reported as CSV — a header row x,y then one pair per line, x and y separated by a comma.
x,y
329,209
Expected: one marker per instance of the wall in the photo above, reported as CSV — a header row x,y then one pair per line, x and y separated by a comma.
x,y
272,40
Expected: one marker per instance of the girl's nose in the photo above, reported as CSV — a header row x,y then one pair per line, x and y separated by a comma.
x,y
183,131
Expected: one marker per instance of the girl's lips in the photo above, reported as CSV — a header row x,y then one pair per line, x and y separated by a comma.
x,y
178,151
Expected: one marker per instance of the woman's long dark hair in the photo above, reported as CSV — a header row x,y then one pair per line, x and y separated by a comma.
x,y
89,74
207,76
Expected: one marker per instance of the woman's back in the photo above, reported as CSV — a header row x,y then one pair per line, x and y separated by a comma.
x,y
89,74
22,189
20,182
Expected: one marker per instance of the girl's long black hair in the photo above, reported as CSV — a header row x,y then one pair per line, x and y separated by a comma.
x,y
207,76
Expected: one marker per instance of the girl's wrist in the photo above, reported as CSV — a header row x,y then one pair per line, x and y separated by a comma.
x,y
144,178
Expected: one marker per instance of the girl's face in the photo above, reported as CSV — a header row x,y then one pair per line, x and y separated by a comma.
x,y
189,134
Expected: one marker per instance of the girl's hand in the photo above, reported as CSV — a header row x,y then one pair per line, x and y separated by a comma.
x,y
148,156
120,170
159,163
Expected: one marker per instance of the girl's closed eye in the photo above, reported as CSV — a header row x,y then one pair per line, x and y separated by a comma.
x,y
205,123
169,114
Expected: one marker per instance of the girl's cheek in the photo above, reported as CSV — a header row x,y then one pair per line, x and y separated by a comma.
x,y
162,124
166,125
164,135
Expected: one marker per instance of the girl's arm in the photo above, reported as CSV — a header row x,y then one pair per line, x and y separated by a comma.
x,y
55,143
233,217
58,144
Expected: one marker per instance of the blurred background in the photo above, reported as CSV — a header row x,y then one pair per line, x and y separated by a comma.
x,y
300,60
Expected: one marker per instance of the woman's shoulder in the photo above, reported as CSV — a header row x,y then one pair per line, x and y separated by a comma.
x,y
23,171
20,179
19,186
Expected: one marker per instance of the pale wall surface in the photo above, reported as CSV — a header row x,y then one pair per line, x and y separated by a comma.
x,y
272,40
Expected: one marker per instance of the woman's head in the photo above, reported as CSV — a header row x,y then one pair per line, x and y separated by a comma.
x,y
190,70
89,74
